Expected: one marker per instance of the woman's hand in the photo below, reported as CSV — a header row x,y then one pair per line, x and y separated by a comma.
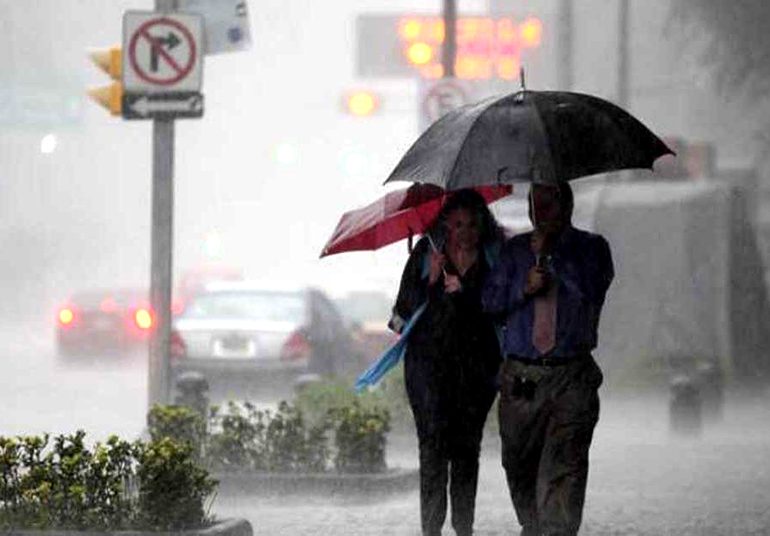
x,y
452,284
437,261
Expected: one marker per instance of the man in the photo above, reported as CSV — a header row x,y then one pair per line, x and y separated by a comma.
x,y
547,290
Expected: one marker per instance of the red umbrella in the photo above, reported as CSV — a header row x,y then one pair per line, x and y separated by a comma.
x,y
395,216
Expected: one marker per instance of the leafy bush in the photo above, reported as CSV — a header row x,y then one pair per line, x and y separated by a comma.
x,y
360,438
244,437
180,423
316,400
260,440
172,487
115,485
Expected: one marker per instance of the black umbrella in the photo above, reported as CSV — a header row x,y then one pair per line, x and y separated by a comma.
x,y
538,136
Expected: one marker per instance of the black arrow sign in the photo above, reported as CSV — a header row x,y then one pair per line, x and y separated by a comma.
x,y
169,42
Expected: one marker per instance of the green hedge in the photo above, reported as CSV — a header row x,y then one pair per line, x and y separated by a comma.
x,y
348,436
115,485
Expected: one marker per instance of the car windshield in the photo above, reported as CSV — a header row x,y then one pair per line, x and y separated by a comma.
x,y
252,305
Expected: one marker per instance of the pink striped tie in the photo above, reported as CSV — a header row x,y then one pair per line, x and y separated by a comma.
x,y
544,328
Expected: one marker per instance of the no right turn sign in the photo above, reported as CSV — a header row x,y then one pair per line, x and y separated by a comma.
x,y
162,52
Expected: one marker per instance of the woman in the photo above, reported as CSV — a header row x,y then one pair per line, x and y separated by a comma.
x,y
452,355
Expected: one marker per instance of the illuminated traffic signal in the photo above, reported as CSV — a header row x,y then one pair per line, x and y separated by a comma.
x,y
361,103
410,44
531,32
110,61
419,53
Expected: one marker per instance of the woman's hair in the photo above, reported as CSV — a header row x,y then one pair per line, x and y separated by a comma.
x,y
471,200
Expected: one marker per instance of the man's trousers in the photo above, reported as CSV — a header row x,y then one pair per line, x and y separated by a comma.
x,y
547,417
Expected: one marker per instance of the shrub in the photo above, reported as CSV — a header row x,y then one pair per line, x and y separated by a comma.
x,y
360,438
316,400
237,437
260,440
172,487
115,485
180,423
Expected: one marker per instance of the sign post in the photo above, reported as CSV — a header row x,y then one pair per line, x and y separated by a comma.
x,y
162,77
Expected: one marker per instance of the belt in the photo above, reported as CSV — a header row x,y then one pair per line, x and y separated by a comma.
x,y
548,361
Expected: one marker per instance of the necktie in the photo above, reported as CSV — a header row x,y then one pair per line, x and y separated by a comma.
x,y
544,328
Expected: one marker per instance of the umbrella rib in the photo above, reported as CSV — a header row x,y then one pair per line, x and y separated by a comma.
x,y
468,135
547,144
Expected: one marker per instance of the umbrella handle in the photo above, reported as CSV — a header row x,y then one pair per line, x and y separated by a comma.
x,y
433,245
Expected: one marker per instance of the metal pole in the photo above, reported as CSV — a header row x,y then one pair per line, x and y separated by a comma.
x,y
623,56
161,247
566,25
449,49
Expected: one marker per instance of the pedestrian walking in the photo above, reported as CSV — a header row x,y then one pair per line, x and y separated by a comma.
x,y
452,355
547,291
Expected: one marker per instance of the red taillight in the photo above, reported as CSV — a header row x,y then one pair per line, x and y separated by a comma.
x,y
66,316
143,319
177,347
296,347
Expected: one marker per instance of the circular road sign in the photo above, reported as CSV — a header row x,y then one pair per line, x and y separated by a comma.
x,y
443,97
162,51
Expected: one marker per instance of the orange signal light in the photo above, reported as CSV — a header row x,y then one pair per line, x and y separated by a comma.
x,y
66,316
531,31
419,53
410,29
362,103
143,319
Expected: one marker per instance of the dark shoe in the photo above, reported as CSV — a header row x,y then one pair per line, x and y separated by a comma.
x,y
530,531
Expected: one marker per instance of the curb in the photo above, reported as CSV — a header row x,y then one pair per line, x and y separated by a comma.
x,y
226,527
345,485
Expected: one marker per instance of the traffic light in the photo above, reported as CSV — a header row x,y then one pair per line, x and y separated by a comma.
x,y
110,61
361,103
531,32
406,45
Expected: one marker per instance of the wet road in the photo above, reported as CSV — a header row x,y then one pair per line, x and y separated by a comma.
x,y
41,392
643,480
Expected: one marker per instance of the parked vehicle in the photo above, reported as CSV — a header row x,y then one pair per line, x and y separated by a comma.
x,y
244,332
103,320
368,313
194,280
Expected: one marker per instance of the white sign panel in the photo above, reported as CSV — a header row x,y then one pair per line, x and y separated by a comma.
x,y
162,52
227,23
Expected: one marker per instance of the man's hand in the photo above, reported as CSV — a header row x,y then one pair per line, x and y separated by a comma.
x,y
538,280
437,261
452,284
542,240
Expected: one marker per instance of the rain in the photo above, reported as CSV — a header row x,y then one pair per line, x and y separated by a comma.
x,y
302,121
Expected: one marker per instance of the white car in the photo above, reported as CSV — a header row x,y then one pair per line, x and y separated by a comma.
x,y
243,330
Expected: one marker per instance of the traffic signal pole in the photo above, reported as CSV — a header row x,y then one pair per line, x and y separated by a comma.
x,y
565,75
624,28
449,49
162,248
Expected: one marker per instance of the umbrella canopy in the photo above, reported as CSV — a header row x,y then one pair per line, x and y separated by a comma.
x,y
395,216
529,136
